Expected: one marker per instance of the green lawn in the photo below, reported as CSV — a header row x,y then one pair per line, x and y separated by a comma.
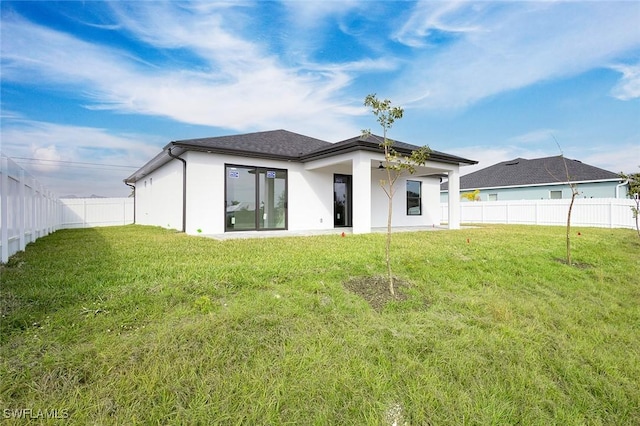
x,y
140,325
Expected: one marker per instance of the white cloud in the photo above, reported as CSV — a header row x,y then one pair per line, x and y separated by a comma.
x,y
429,17
535,136
619,158
64,149
48,156
238,88
504,46
629,86
311,14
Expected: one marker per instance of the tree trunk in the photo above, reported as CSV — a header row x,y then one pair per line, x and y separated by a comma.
x,y
636,214
573,198
388,250
388,246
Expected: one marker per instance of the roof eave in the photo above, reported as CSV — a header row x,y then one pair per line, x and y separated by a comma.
x,y
180,148
362,145
239,152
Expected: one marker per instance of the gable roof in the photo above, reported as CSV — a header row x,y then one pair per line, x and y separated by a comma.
x,y
279,145
539,171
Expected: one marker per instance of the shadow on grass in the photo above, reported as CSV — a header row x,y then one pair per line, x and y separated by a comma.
x,y
53,273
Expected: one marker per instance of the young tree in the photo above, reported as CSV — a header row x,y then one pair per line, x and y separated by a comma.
x,y
634,194
395,164
574,194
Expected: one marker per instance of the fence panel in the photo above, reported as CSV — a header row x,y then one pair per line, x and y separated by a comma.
x,y
27,210
90,212
590,212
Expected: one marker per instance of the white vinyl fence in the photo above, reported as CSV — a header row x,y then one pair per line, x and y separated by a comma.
x,y
28,211
91,212
589,212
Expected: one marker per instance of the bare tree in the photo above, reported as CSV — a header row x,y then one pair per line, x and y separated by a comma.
x,y
574,194
395,164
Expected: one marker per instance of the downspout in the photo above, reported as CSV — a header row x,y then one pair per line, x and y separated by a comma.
x,y
133,187
625,183
184,189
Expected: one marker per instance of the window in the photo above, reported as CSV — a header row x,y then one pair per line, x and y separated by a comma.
x,y
414,198
493,197
256,198
555,195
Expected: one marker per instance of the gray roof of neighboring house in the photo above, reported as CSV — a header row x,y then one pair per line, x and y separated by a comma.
x,y
539,171
278,145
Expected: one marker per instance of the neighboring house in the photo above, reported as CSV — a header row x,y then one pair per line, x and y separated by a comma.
x,y
540,179
279,180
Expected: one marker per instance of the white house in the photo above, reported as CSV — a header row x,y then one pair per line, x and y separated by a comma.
x,y
279,180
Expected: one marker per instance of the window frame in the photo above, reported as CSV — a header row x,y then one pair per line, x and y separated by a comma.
x,y
257,171
410,205
551,192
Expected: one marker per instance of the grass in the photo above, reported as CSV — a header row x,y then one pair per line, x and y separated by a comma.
x,y
139,325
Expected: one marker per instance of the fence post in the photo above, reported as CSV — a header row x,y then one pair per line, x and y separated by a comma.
x,y
21,210
38,202
611,213
4,207
34,212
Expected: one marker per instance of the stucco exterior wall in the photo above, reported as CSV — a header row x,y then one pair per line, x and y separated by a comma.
x,y
205,193
379,202
310,199
310,194
587,190
159,197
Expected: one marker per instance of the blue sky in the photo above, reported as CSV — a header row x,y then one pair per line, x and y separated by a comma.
x,y
111,83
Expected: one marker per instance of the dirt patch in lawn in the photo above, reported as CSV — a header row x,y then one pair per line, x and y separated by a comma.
x,y
375,290
578,265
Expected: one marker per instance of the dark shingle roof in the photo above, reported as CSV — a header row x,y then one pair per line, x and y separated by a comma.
x,y
372,143
280,144
523,172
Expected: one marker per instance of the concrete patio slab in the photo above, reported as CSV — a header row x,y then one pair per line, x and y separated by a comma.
x,y
335,231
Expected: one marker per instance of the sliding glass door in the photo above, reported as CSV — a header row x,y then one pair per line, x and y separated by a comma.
x,y
272,195
256,198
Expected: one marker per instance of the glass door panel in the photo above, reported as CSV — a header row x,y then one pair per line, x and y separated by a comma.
x,y
241,198
341,200
272,199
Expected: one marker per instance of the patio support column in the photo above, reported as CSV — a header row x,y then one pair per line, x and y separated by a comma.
x,y
454,199
361,193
